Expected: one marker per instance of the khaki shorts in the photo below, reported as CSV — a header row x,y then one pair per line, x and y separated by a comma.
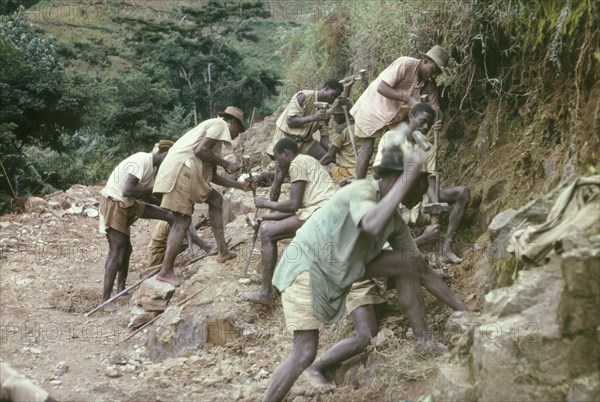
x,y
363,293
338,173
178,200
297,305
358,133
158,243
114,216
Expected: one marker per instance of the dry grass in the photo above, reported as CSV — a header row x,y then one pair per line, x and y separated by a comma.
x,y
402,364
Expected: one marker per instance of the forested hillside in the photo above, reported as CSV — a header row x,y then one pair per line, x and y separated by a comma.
x,y
86,83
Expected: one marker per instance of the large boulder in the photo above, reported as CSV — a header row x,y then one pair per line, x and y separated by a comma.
x,y
538,335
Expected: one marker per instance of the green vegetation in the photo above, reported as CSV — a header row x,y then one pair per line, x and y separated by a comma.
x,y
120,74
85,84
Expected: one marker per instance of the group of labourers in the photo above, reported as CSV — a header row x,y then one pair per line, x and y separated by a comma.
x,y
348,242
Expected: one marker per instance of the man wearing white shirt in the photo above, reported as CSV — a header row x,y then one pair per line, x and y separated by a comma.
x,y
121,205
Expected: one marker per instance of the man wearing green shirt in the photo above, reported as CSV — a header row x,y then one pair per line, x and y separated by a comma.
x,y
342,243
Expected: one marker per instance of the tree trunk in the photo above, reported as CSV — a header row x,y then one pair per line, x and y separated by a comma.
x,y
188,78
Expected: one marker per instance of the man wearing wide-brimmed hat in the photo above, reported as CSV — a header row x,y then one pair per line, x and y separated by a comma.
x,y
389,98
185,176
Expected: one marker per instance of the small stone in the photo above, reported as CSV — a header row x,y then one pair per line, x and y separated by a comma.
x,y
23,282
118,359
36,204
501,221
211,381
54,204
245,281
112,373
35,351
139,317
149,304
584,388
61,368
55,382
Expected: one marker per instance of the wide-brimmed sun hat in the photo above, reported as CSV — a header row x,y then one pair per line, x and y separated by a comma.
x,y
439,56
236,113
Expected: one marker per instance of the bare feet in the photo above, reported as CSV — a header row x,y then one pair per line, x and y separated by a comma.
x,y
227,256
110,308
214,250
450,257
318,381
256,297
170,278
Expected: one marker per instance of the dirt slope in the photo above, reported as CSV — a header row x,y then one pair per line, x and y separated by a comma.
x,y
51,273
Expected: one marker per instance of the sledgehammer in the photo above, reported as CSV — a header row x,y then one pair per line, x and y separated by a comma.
x,y
436,207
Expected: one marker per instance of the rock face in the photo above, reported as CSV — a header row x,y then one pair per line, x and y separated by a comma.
x,y
537,339
189,328
149,300
199,315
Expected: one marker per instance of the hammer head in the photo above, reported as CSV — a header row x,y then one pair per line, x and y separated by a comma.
x,y
321,105
437,208
363,74
253,223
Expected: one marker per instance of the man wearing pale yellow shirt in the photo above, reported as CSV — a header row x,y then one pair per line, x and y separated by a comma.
x,y
184,179
311,187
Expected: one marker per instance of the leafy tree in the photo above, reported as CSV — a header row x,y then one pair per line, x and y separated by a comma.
x,y
199,60
130,110
10,6
37,103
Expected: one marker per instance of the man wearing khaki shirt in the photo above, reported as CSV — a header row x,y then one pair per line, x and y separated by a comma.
x,y
388,99
299,121
184,179
340,160
311,188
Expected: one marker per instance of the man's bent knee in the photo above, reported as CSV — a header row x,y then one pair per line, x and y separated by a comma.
x,y
363,341
465,193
